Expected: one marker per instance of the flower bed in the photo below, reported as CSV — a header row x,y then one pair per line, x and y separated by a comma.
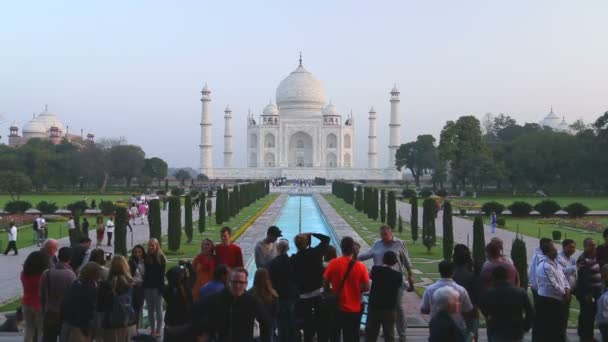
x,y
589,224
464,204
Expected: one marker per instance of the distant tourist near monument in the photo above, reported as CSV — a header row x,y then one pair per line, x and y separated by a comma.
x,y
300,136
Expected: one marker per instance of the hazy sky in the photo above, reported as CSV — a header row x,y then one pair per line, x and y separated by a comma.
x,y
136,68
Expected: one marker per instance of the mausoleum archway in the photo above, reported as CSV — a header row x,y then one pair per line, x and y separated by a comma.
x,y
300,150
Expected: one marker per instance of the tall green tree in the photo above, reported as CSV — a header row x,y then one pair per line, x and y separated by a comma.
x,y
182,175
428,223
448,231
15,183
219,207
188,228
420,156
414,218
479,244
359,198
174,231
201,213
154,223
155,168
120,231
391,215
126,161
382,206
520,260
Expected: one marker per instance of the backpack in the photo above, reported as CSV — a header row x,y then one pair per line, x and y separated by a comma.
x,y
122,314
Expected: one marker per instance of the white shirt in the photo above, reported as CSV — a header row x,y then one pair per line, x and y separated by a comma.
x,y
71,224
551,280
428,306
568,266
12,234
110,226
41,222
536,259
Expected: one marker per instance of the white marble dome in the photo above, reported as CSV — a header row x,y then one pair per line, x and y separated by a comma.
x,y
271,109
300,90
34,128
330,110
551,120
49,120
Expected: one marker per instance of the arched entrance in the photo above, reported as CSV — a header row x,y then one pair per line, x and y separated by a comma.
x,y
300,150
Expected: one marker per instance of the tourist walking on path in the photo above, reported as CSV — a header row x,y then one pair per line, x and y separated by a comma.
x,y
12,239
138,270
493,222
447,324
553,297
266,249
100,230
588,289
388,242
40,229
507,309
73,233
602,250
232,312
143,212
226,252
308,268
154,281
110,230
348,279
78,309
133,213
54,285
495,259
264,291
118,320
204,265
178,298
282,276
466,277
383,299
446,271
35,264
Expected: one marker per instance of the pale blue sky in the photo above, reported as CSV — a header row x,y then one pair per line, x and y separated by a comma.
x,y
135,68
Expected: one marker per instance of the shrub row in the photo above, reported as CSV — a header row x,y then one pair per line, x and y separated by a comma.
x,y
546,208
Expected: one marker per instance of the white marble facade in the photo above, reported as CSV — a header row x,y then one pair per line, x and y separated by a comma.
x,y
298,137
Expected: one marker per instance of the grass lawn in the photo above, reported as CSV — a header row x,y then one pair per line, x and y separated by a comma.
x,y
212,230
63,200
422,260
594,203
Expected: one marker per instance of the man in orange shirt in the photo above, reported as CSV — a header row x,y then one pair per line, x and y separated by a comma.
x,y
226,252
348,278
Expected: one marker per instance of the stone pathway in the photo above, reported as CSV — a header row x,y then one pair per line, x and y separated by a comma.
x,y
11,266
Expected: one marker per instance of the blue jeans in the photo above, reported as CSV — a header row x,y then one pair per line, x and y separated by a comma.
x,y
286,320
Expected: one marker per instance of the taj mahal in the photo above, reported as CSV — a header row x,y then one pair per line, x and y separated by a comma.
x,y
299,136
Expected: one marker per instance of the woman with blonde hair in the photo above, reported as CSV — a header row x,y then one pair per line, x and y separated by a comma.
x,y
204,266
117,326
262,289
154,281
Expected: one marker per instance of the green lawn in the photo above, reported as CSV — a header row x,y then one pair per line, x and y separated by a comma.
x,y
423,261
594,203
63,200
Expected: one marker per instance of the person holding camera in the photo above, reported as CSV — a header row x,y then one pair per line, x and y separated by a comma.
x,y
178,298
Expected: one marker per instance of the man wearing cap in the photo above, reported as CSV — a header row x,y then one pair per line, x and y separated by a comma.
x,y
266,250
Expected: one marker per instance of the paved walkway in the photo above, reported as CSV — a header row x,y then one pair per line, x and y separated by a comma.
x,y
11,266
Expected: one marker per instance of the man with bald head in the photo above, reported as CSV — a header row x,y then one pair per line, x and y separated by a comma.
x,y
282,275
50,248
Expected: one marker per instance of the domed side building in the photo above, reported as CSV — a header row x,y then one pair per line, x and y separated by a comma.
x,y
554,122
298,136
45,125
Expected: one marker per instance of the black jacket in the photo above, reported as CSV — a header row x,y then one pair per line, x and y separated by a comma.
x,y
154,277
282,277
443,328
308,265
231,318
508,310
79,305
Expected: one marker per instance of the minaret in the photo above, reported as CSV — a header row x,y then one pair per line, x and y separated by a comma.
x,y
227,137
372,155
206,147
394,126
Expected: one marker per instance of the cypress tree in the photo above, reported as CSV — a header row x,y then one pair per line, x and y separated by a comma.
x,y
166,185
188,228
154,220
226,200
375,204
391,214
448,231
520,260
428,223
120,231
382,206
367,197
219,204
201,213
479,244
358,198
174,232
414,218
400,222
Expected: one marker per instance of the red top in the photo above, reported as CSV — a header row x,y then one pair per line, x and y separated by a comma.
x,y
350,296
204,265
31,290
230,255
